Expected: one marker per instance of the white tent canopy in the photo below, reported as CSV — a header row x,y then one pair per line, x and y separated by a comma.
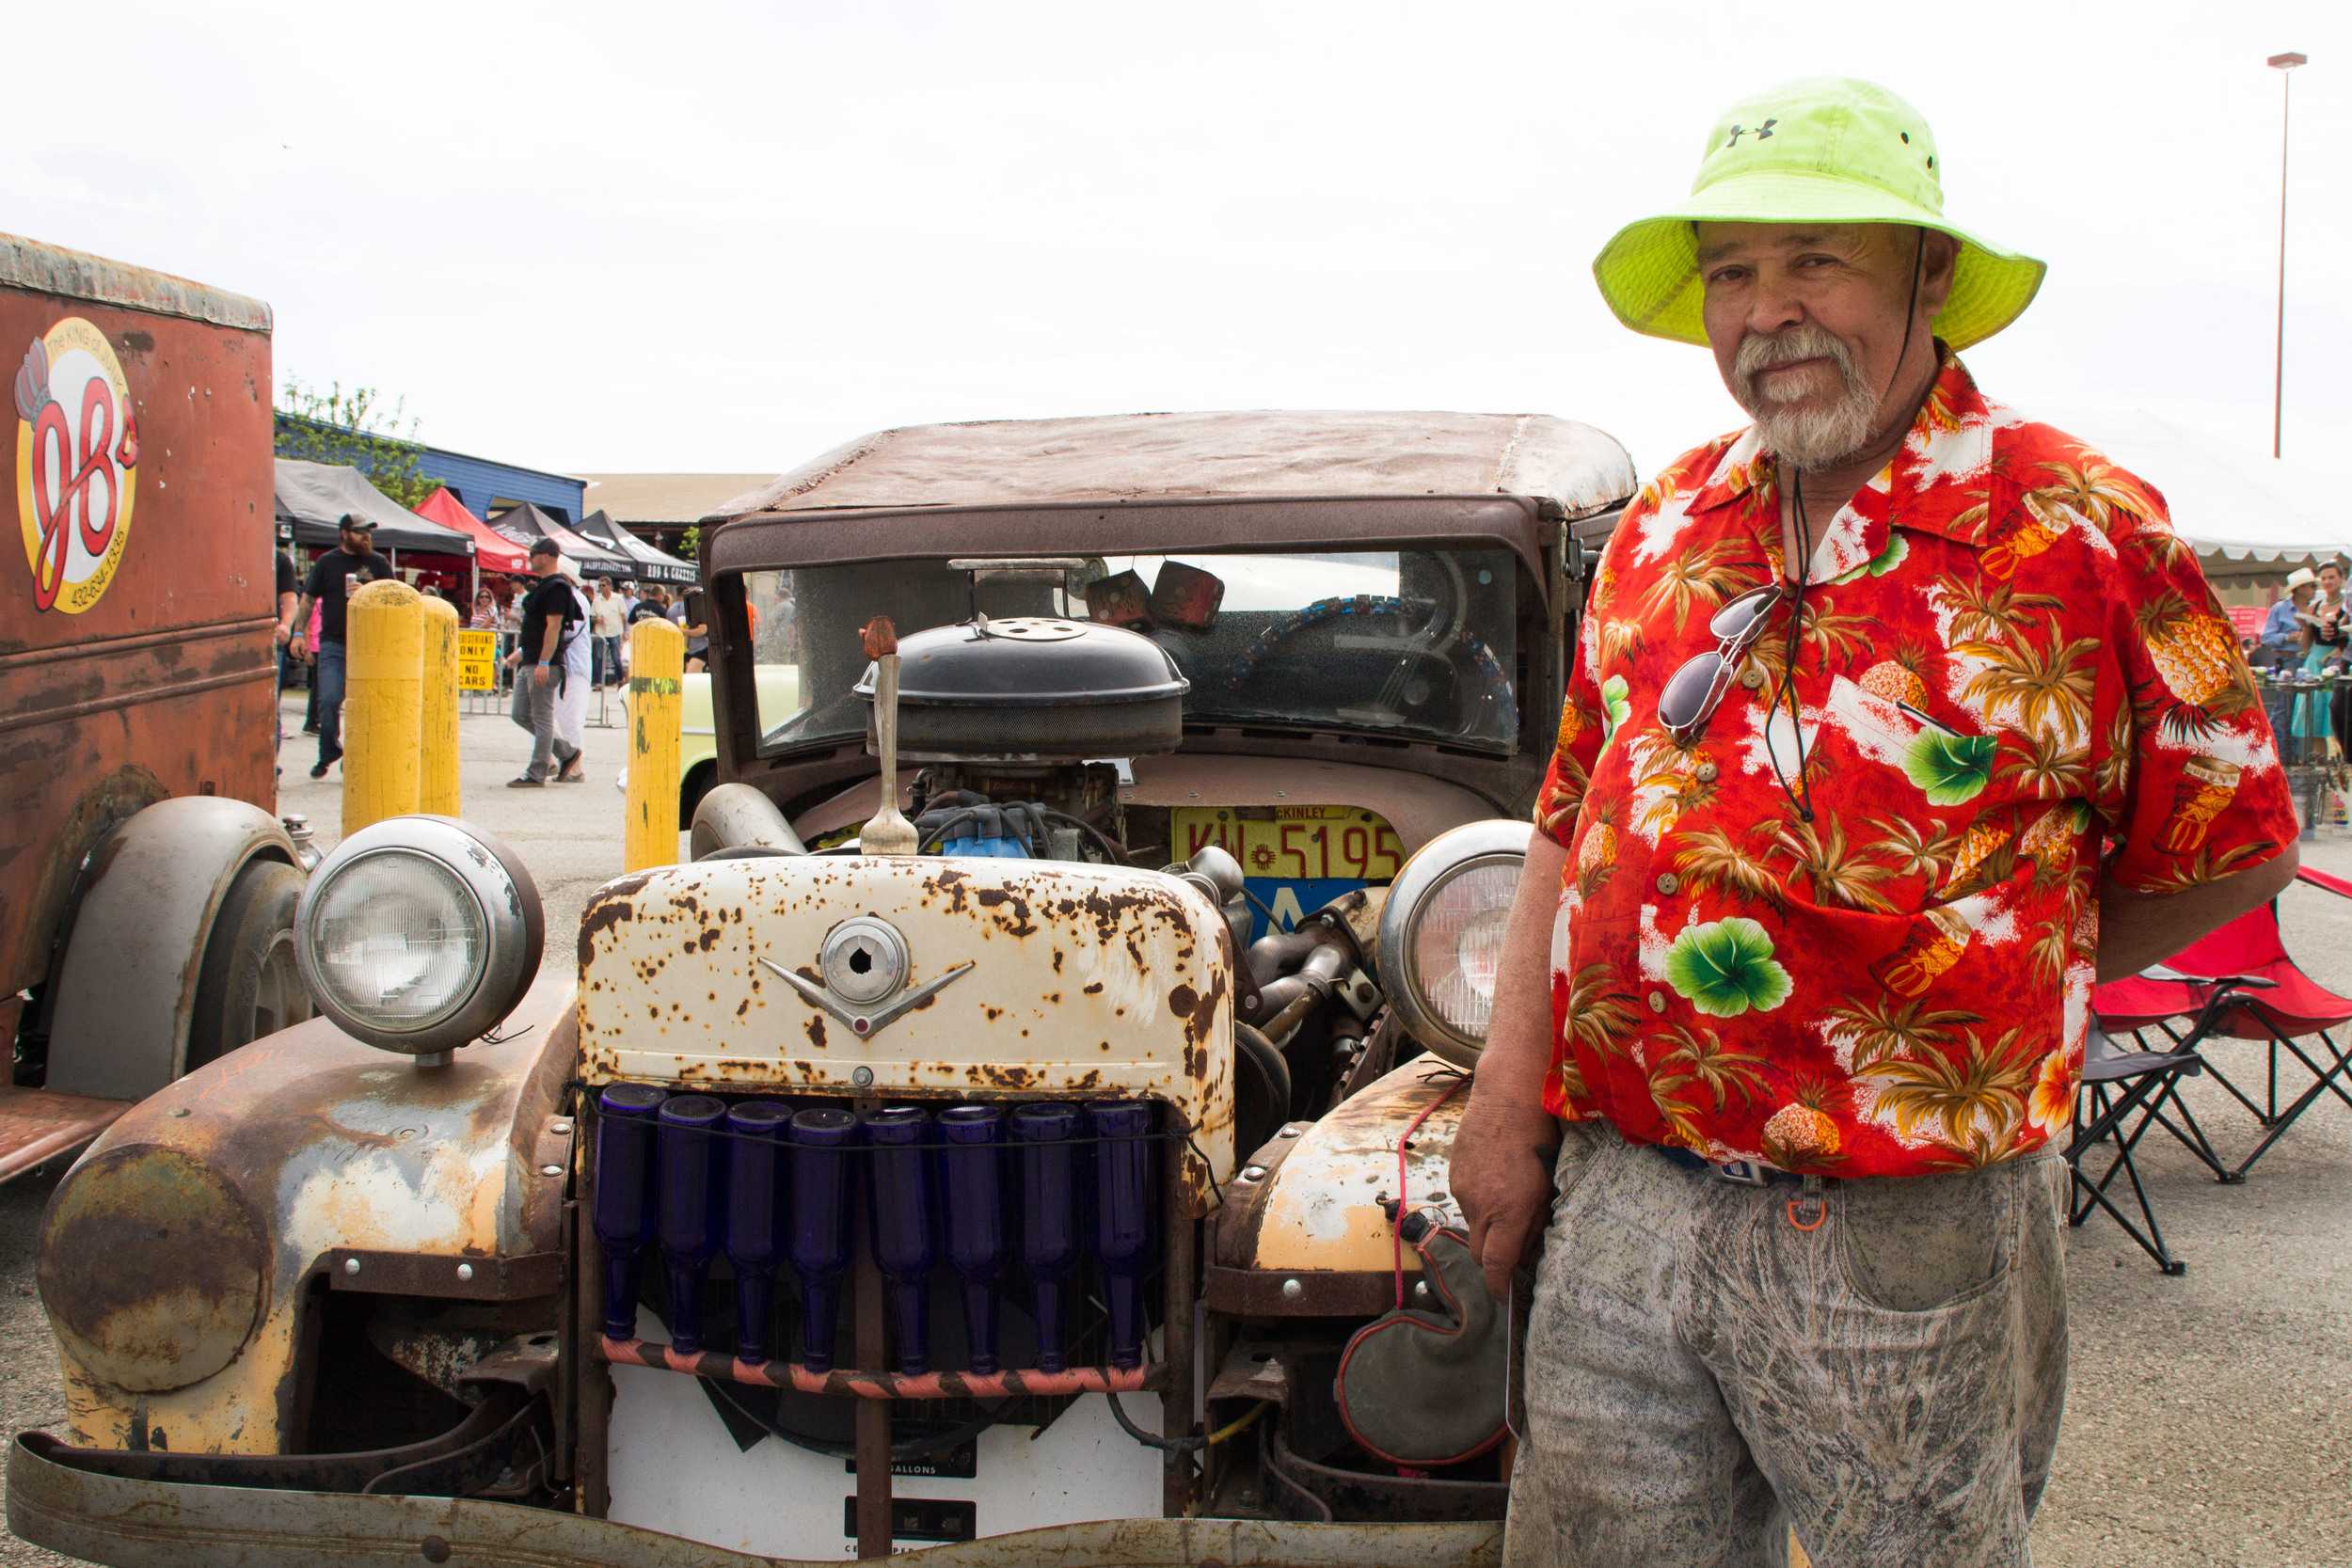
x,y
2228,497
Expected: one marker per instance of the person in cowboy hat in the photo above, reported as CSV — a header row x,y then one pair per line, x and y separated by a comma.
x,y
1897,719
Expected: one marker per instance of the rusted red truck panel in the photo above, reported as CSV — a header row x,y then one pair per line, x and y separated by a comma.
x,y
135,588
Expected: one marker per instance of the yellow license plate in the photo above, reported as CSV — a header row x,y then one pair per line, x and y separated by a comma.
x,y
1293,843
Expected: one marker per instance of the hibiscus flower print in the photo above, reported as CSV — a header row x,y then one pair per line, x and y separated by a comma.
x,y
1725,967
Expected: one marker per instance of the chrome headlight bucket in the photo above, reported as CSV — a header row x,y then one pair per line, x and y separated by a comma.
x,y
1441,934
418,933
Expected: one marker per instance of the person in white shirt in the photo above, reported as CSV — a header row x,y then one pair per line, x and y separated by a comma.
x,y
607,615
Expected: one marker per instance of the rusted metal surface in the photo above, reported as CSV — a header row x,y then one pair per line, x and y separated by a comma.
x,y
1321,1208
147,1524
1309,1237
175,651
872,1425
1087,981
847,1384
444,1278
175,1291
75,275
1302,1292
361,1470
588,1376
42,1124
331,1149
126,992
1180,1254
1572,468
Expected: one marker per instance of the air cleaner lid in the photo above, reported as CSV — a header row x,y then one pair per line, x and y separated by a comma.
x,y
1030,661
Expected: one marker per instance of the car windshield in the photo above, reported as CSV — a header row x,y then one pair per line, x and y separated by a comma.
x,y
1419,643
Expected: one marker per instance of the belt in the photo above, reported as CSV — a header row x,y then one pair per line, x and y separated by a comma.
x,y
1739,1173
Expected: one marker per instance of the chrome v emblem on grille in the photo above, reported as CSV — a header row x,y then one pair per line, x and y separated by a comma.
x,y
866,1023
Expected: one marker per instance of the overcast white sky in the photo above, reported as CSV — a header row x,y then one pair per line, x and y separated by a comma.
x,y
698,236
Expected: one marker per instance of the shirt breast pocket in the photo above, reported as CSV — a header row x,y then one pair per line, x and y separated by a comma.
x,y
1947,805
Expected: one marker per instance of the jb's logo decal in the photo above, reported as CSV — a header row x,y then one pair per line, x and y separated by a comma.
x,y
77,452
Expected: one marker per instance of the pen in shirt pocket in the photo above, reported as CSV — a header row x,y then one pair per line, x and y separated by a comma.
x,y
1929,718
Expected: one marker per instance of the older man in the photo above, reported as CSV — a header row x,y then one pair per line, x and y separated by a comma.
x,y
1896,718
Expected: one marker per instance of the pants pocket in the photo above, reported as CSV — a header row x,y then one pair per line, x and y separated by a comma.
x,y
1584,1145
1930,1244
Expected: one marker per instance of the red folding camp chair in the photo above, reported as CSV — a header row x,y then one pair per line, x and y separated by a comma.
x,y
2240,983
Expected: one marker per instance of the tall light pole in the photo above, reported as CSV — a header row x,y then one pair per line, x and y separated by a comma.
x,y
2285,65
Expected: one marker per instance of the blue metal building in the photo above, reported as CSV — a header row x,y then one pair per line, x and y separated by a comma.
x,y
480,486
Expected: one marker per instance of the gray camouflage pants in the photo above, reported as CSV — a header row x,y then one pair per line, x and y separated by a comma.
x,y
533,709
1701,1372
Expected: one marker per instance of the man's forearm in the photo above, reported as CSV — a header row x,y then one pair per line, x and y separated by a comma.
x,y
1510,1069
555,635
2136,929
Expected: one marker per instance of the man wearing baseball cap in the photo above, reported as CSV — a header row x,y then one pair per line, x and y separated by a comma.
x,y
552,619
1897,719
353,564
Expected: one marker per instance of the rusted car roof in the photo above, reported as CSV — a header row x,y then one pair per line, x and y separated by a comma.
x,y
1564,466
53,269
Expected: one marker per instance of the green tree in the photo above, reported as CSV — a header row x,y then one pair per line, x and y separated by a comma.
x,y
689,544
357,430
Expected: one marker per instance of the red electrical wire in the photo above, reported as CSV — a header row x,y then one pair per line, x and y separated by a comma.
x,y
1396,1234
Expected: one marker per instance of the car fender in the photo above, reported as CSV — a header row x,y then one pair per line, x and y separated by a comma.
x,y
127,987
306,1161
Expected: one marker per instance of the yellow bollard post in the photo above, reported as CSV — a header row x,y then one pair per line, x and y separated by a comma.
x,y
657,668
437,786
383,692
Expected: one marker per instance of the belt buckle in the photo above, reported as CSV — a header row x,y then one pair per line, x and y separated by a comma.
x,y
1743,1172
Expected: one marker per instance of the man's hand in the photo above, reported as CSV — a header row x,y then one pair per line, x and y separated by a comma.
x,y
1502,1169
539,674
1502,1177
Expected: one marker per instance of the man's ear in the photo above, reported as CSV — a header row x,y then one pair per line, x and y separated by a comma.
x,y
1938,257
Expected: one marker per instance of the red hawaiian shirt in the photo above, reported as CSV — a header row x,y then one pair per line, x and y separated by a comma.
x,y
2008,661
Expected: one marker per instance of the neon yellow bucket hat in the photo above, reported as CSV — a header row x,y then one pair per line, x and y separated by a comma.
x,y
1826,149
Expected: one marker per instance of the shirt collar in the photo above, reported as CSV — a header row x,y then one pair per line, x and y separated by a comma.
x,y
1936,481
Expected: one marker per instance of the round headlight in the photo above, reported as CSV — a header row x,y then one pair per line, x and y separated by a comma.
x,y
1441,934
418,933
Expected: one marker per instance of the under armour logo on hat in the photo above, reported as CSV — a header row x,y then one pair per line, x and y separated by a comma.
x,y
1760,132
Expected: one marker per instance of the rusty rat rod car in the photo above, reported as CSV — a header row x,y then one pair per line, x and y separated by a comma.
x,y
147,882
1036,1191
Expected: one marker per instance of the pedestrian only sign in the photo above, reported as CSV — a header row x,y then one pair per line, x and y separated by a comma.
x,y
477,660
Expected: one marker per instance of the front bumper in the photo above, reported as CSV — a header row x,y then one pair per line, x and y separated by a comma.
x,y
62,1499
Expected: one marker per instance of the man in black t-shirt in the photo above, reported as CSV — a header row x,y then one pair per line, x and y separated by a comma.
x,y
353,564
551,618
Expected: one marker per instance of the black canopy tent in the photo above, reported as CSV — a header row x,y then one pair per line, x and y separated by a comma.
x,y
650,564
315,497
525,524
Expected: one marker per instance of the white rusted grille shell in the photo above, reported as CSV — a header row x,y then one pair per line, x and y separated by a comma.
x,y
1087,981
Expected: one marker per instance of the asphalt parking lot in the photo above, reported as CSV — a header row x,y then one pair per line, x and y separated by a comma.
x,y
2204,1420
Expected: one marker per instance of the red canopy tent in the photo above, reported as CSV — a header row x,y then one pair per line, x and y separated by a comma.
x,y
493,550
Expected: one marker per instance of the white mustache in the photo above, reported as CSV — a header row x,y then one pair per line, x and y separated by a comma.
x,y
1761,352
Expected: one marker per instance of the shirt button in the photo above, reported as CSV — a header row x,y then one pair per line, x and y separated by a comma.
x,y
1658,1002
1707,772
1752,676
1668,883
